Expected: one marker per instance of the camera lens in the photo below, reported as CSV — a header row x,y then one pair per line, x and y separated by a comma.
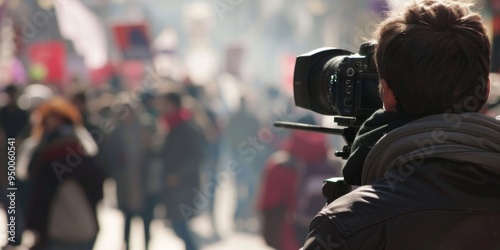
x,y
325,79
348,90
318,78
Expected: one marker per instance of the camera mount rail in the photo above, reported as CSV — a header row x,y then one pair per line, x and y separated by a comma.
x,y
348,133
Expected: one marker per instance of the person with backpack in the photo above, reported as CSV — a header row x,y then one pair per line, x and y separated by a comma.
x,y
65,182
291,187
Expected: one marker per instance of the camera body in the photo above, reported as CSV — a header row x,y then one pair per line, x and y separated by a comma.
x,y
333,81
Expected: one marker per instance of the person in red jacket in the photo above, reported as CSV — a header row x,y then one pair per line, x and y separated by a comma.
x,y
286,193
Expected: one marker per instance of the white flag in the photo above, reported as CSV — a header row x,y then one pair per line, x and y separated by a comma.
x,y
81,26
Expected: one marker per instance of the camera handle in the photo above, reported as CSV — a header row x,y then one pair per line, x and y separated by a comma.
x,y
335,187
348,133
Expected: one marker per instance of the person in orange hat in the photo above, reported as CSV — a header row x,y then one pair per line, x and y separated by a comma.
x,y
65,182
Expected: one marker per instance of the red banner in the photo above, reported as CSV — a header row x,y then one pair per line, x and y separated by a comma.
x,y
133,41
49,58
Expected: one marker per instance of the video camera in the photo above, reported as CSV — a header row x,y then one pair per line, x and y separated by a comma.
x,y
337,82
334,81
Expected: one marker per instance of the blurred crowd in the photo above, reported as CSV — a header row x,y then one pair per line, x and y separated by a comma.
x,y
169,103
168,147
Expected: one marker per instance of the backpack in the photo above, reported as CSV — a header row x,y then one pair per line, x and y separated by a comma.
x,y
71,219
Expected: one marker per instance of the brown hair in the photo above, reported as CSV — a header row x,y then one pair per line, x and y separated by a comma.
x,y
58,106
435,56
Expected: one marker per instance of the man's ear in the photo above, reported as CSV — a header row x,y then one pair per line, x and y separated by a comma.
x,y
388,97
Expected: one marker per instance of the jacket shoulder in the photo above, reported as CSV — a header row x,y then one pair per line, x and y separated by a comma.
x,y
325,233
377,217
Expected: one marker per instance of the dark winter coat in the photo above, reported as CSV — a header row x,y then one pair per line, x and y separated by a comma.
x,y
433,183
60,157
182,155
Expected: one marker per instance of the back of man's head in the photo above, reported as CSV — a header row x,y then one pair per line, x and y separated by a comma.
x,y
435,56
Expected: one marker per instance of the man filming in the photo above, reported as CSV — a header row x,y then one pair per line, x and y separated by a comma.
x,y
428,163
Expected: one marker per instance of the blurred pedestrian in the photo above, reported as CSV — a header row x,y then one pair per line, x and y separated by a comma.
x,y
81,100
65,183
13,119
242,132
290,191
208,120
13,124
182,154
127,149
